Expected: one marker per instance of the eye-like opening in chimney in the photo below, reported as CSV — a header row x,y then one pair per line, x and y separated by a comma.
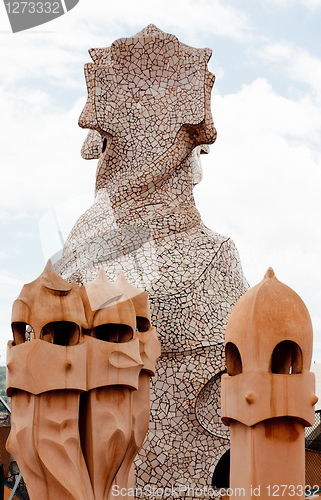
x,y
111,332
233,359
286,358
143,324
22,332
61,333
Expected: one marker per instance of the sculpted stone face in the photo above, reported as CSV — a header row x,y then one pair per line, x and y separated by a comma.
x,y
148,111
80,387
147,94
95,143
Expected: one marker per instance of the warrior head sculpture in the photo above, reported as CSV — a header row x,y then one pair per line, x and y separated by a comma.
x,y
149,98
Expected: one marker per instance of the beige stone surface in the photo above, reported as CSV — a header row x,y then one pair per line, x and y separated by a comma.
x,y
80,404
257,396
28,370
268,393
44,304
268,459
316,369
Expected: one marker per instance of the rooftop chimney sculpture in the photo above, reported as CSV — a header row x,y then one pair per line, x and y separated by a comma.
x,y
268,392
149,115
80,387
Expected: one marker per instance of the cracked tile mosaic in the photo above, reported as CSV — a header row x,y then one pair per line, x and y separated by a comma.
x,y
149,115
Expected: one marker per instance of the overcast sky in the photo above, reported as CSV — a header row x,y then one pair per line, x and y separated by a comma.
x,y
262,177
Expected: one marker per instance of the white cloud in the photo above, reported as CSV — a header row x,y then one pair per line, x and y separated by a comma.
x,y
261,186
24,235
16,215
36,59
196,19
8,280
57,51
40,150
310,4
299,64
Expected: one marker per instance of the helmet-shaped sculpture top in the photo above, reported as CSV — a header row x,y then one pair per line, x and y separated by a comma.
x,y
269,330
51,307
